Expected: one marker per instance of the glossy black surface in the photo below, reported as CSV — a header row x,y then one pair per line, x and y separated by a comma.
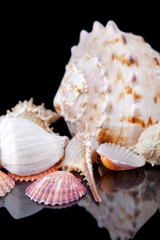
x,y
36,42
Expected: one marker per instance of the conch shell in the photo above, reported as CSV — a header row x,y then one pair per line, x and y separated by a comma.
x,y
149,144
111,86
29,146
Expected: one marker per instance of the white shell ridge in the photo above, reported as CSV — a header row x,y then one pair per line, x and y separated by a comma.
x,y
28,149
112,82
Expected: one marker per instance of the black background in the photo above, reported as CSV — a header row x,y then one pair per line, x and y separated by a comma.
x,y
35,47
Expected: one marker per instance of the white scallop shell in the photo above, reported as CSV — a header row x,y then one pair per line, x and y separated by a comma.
x,y
119,158
112,82
28,149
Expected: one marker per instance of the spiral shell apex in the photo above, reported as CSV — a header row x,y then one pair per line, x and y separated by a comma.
x,y
60,187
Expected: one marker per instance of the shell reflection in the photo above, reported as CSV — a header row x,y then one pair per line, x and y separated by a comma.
x,y
129,199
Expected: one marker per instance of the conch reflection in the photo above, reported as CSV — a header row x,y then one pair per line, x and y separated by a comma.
x,y
129,199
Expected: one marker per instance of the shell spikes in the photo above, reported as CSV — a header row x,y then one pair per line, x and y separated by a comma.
x,y
38,114
116,157
60,187
6,184
79,154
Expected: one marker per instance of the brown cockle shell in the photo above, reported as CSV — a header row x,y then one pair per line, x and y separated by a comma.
x,y
111,86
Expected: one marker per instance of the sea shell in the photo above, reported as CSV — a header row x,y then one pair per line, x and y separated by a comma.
x,y
32,177
60,187
26,148
116,157
149,144
38,114
79,154
111,86
106,82
6,184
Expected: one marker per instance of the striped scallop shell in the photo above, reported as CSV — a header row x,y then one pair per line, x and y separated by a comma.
x,y
116,157
60,187
6,184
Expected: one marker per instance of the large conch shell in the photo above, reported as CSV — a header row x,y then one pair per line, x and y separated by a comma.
x,y
112,85
149,144
26,147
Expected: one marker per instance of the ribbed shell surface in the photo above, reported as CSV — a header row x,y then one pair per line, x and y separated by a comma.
x,y
111,86
60,187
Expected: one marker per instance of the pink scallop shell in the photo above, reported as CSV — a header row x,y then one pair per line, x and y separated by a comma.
x,y
6,183
60,187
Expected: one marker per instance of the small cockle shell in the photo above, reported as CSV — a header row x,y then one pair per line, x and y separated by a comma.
x,y
60,187
116,157
149,144
28,145
111,85
6,184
